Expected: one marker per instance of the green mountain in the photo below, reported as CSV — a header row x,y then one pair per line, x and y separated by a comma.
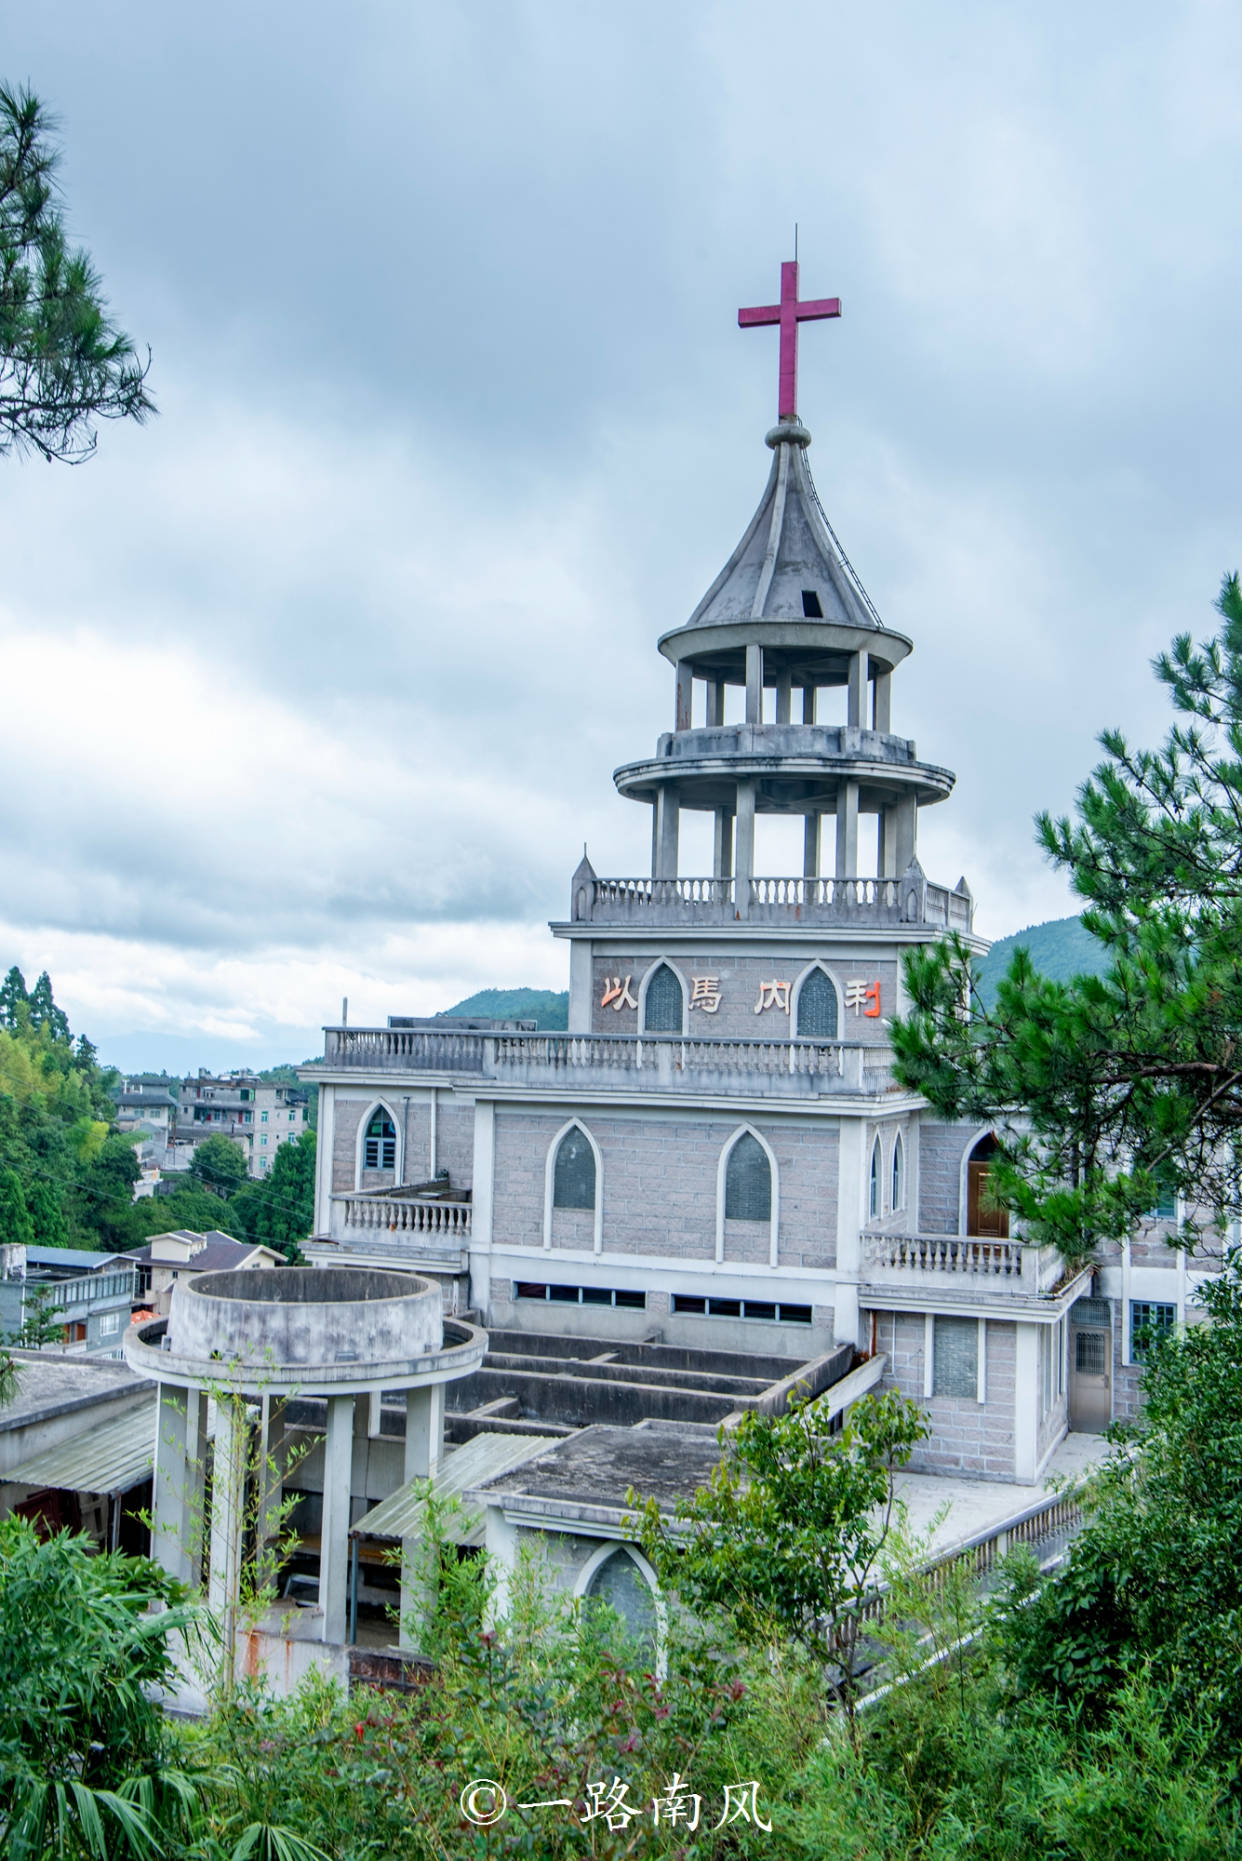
x,y
1059,950
549,1007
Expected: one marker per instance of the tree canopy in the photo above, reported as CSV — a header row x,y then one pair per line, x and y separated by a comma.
x,y
64,363
1106,1088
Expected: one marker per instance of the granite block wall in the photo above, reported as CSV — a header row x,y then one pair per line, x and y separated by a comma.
x,y
970,1438
941,1147
737,978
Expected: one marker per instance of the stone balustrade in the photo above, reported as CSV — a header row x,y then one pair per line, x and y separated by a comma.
x,y
869,902
405,1215
920,1259
781,1068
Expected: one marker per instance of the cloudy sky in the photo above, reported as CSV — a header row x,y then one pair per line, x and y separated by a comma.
x,y
314,686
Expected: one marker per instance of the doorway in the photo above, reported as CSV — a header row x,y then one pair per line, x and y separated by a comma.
x,y
985,1218
1091,1366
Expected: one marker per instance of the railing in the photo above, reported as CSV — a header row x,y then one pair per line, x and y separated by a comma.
x,y
91,1289
407,1216
919,1259
910,899
786,1066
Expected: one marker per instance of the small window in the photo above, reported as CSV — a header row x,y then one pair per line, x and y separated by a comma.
x,y
620,1585
873,1192
109,1324
573,1173
380,1148
748,1181
899,1173
811,608
662,1004
1149,1322
1165,1206
262,1117
817,1008
636,1301
690,1302
1091,1353
955,1357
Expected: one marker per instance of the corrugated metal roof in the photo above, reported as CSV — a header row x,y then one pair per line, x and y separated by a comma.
x,y
480,1460
108,1459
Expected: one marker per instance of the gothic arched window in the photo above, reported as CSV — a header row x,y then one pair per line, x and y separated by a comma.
x,y
873,1197
619,1584
662,1004
573,1173
817,1008
899,1173
748,1181
379,1149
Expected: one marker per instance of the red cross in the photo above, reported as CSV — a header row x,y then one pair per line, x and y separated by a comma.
x,y
789,313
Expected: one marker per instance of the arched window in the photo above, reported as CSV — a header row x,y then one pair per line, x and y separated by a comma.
x,y
379,1149
873,1197
817,1008
985,1216
573,1174
899,1173
748,1181
619,1584
662,1004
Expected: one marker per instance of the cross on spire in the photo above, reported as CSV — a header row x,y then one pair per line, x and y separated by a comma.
x,y
789,313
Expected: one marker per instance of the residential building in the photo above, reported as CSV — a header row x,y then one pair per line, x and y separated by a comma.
x,y
256,1115
90,1294
181,1255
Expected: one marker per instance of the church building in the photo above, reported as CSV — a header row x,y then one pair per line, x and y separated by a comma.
x,y
716,1154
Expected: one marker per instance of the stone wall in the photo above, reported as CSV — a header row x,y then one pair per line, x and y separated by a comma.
x,y
738,980
968,1437
941,1148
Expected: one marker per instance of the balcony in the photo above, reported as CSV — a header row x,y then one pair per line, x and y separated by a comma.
x,y
952,1264
385,1227
786,1068
818,903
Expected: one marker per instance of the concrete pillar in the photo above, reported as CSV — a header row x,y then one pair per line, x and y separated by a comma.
x,y
176,1500
424,1431
784,697
715,701
682,709
810,846
228,1477
323,1160
338,1467
809,694
745,843
883,700
722,850
667,820
906,836
268,1474
754,684
1026,1398
852,1167
859,665
847,830
885,843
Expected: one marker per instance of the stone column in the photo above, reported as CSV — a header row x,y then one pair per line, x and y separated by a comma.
x,y
859,667
784,697
682,710
715,702
847,830
745,844
338,1468
722,851
907,815
852,1165
810,846
885,843
809,695
424,1448
228,1476
177,1485
883,700
754,684
666,814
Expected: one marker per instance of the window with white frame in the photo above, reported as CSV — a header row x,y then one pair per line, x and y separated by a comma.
x,y
955,1357
663,1003
899,1173
1150,1320
109,1324
573,1173
748,1181
379,1150
873,1191
817,1008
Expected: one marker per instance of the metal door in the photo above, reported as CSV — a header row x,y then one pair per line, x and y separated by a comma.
x,y
1091,1366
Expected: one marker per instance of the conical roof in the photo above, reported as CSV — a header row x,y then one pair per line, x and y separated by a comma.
x,y
790,557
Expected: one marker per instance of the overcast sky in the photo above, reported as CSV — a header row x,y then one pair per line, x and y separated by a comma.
x,y
314,686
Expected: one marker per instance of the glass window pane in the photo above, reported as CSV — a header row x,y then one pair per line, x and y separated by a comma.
x,y
955,1357
748,1182
817,1008
1148,1322
573,1174
662,1004
620,1585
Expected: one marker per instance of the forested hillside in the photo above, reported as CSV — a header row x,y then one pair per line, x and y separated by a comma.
x,y
1059,949
550,1007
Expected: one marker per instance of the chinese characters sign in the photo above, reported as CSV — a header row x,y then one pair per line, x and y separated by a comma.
x,y
706,994
484,1802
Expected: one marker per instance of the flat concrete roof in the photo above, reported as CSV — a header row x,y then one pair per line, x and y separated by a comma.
x,y
597,1466
50,1385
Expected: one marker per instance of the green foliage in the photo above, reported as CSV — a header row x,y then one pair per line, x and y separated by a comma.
x,y
219,1165
1103,1085
786,1536
63,362
1060,949
280,1210
549,1007
45,1207
42,1320
15,1223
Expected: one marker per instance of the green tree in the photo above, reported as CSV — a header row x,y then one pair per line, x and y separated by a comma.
x,y
43,1322
13,999
1105,1087
47,1216
280,1210
63,362
43,1009
15,1223
787,1535
219,1165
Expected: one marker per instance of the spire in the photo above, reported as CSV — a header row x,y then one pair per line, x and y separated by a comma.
x,y
789,564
